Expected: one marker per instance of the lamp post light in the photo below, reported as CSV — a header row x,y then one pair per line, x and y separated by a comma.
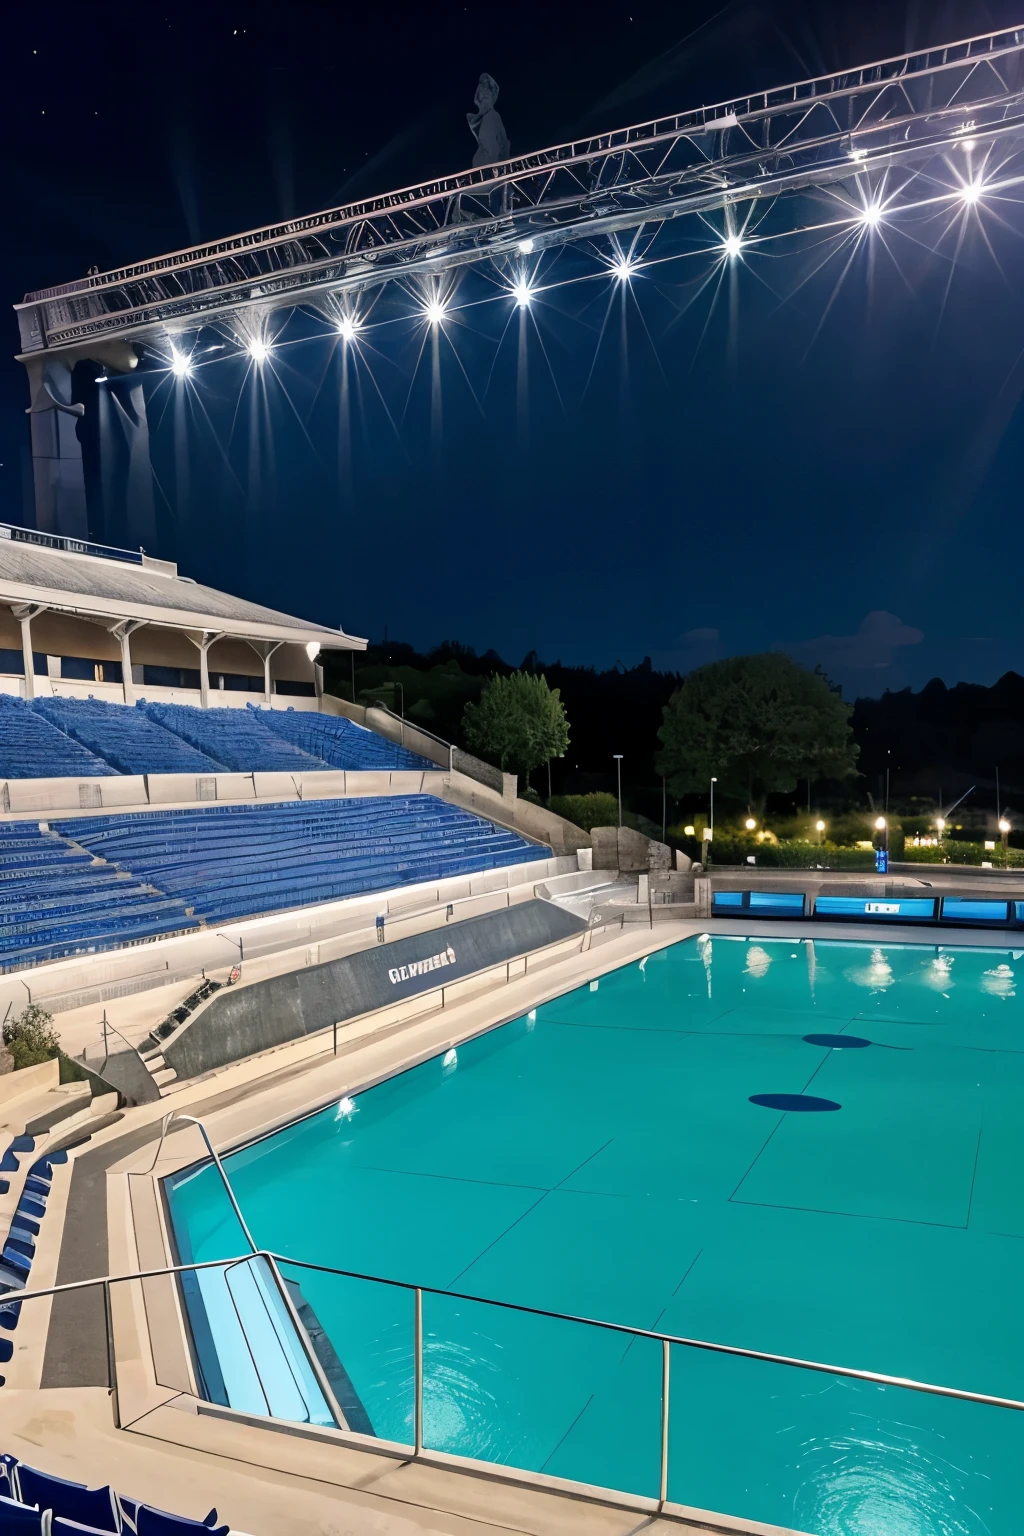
x,y
618,769
819,827
940,826
1004,832
881,825
750,823
709,830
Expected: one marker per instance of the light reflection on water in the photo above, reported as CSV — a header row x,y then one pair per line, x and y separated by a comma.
x,y
881,1481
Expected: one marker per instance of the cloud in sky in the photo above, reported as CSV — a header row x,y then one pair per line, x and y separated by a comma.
x,y
871,649
689,650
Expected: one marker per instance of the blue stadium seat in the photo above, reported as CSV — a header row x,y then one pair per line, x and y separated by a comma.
x,y
340,742
18,1520
33,748
127,738
154,1522
234,861
95,1507
148,873
236,737
61,737
55,900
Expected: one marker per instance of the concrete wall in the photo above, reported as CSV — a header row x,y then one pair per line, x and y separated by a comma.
x,y
628,851
325,931
521,815
239,1021
137,791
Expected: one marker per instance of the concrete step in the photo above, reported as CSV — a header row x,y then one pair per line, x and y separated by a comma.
x,y
165,1077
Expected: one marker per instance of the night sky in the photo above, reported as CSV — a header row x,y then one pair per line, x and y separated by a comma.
x,y
779,459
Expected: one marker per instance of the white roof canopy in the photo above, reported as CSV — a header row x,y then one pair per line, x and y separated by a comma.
x,y
98,586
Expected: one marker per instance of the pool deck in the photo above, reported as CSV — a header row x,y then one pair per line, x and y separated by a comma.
x,y
106,1215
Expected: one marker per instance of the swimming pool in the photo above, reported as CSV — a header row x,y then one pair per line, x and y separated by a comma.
x,y
624,1154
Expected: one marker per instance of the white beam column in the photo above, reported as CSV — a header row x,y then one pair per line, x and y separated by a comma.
x,y
123,632
202,645
264,650
24,614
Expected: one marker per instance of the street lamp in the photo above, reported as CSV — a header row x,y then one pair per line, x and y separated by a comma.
x,y
819,827
750,823
1004,831
881,825
940,825
618,769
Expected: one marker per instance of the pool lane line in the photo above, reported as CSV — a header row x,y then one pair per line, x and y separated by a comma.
x,y
622,1357
815,1210
974,1175
782,1115
523,1215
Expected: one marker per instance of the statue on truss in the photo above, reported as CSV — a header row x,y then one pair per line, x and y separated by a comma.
x,y
486,125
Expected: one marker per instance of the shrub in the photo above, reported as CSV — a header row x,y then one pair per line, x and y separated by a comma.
x,y
952,851
794,855
31,1038
586,811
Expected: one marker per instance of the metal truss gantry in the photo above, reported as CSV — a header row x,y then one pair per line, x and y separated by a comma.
x,y
808,134
796,136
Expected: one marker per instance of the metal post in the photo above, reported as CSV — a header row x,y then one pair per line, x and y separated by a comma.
x,y
666,1365
335,1037
108,1317
352,658
664,808
320,1375
618,768
417,1347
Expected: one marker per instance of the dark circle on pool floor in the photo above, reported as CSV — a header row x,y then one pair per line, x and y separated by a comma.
x,y
838,1042
799,1103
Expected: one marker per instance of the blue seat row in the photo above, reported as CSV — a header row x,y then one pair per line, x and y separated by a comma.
x,y
76,738
32,748
341,743
142,874
234,861
129,739
34,1503
235,737
19,1247
55,901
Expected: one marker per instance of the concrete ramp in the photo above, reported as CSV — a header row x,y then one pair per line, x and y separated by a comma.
x,y
238,1022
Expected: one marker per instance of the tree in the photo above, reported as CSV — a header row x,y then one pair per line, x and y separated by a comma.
x,y
758,724
519,723
31,1037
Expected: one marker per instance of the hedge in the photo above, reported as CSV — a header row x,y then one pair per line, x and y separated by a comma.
x,y
794,855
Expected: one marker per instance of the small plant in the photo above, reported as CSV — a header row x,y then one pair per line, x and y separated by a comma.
x,y
587,811
31,1037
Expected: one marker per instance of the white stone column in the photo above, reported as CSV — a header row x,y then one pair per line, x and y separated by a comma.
x,y
264,650
24,614
202,645
123,632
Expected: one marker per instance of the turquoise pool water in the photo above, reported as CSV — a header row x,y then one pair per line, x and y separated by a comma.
x,y
605,1158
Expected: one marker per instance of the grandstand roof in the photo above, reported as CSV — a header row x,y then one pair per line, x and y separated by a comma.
x,y
70,576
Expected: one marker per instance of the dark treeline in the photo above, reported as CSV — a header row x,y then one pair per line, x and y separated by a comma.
x,y
940,741
934,744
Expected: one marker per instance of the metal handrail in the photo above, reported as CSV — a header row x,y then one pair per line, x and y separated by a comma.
x,y
666,1340
304,1339
165,1126
109,1028
878,1378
